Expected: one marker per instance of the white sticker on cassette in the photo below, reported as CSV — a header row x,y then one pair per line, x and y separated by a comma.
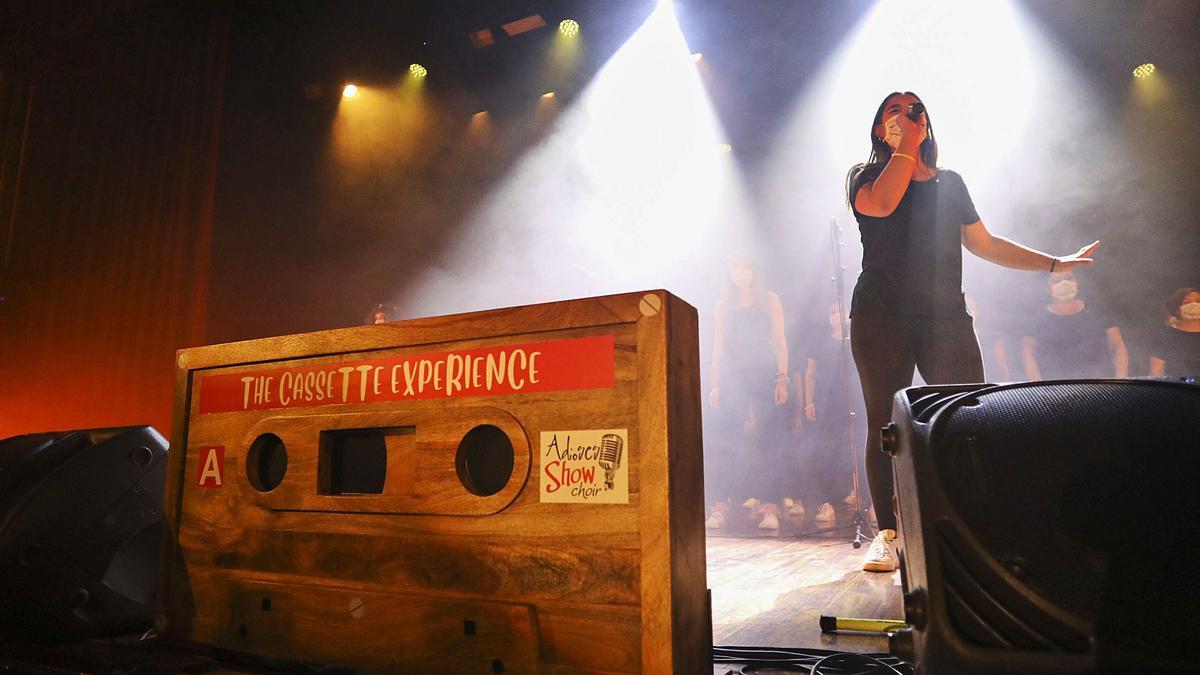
x,y
584,466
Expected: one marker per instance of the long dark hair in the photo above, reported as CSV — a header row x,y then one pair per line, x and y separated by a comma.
x,y
758,290
881,152
1175,300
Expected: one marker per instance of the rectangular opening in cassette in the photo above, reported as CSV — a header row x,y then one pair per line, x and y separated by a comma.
x,y
355,461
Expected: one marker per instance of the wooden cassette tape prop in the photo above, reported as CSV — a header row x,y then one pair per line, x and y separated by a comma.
x,y
517,490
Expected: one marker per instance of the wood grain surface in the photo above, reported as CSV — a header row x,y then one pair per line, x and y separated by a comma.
x,y
426,572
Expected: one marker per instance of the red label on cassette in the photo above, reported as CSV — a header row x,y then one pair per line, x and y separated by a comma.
x,y
560,365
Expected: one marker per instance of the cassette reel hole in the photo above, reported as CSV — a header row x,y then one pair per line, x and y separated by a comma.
x,y
484,460
266,463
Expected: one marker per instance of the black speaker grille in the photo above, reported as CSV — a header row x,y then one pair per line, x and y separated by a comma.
x,y
80,524
1052,479
988,612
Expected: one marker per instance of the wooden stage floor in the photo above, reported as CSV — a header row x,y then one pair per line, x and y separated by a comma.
x,y
770,590
767,591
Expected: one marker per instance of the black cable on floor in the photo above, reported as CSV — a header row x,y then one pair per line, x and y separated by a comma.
x,y
813,661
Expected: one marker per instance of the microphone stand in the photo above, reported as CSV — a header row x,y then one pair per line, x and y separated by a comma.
x,y
859,519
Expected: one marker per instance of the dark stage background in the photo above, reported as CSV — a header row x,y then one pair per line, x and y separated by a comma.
x,y
110,117
166,181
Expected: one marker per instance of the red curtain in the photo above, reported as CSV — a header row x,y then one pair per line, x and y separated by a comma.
x,y
108,156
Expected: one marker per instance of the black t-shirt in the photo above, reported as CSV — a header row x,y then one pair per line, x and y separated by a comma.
x,y
748,365
912,259
1180,350
1071,346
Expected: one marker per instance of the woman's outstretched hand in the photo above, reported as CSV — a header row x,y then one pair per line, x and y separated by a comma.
x,y
1080,257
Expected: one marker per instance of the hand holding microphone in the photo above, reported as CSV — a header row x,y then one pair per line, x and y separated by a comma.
x,y
905,132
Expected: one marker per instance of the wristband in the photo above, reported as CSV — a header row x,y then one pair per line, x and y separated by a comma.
x,y
901,154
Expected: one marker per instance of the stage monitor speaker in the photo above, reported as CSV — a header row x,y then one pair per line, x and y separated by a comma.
x,y
80,532
517,490
1048,527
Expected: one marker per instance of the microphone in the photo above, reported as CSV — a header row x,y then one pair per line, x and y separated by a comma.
x,y
914,113
611,447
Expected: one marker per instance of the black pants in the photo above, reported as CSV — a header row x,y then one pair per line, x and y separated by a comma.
x,y
886,349
743,460
826,468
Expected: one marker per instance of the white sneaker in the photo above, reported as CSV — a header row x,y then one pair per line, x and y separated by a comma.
x,y
881,557
826,514
794,507
769,521
751,503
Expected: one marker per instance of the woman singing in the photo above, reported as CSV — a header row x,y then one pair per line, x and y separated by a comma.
x,y
908,307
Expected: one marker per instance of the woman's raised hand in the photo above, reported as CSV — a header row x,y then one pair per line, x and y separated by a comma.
x,y
1080,257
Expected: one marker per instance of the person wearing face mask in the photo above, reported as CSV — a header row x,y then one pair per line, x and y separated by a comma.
x,y
379,315
1071,337
1175,348
749,384
908,311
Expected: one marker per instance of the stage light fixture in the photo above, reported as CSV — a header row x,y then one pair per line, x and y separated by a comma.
x,y
1144,70
349,91
513,28
568,27
482,38
417,70
725,148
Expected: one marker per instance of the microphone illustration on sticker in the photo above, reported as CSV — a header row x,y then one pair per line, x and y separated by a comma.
x,y
611,446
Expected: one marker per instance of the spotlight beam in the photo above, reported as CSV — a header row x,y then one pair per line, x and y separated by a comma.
x,y
629,189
